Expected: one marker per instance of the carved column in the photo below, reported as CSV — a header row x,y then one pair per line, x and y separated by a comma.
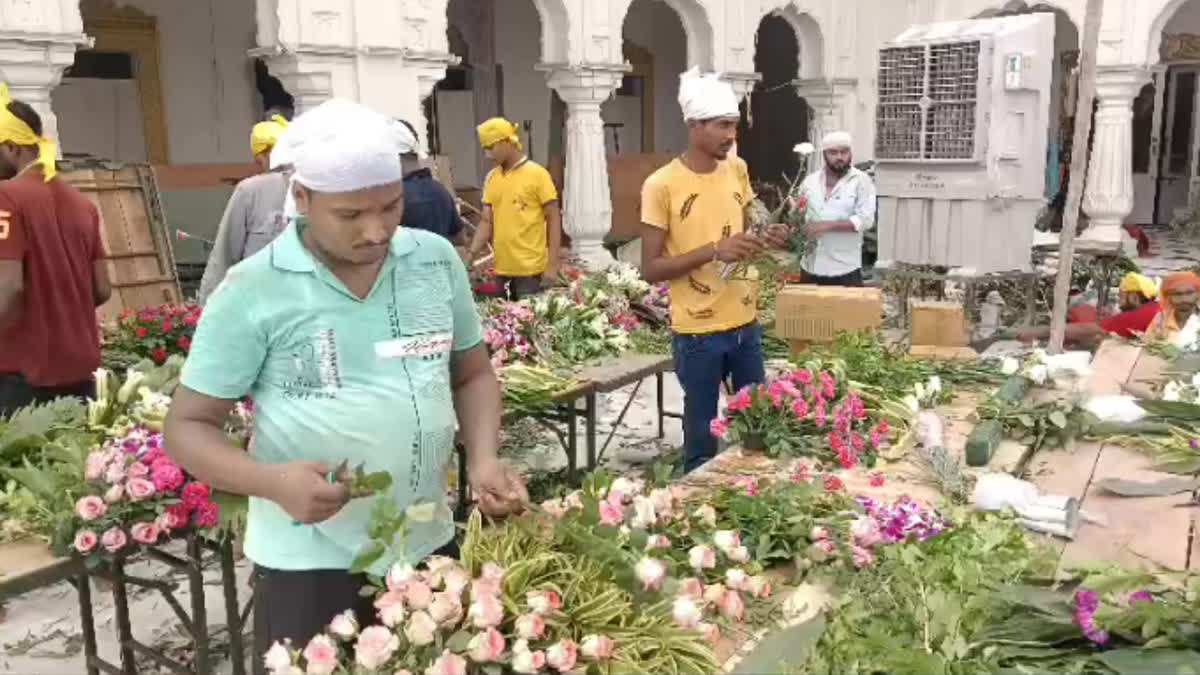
x,y
309,81
1108,197
39,42
822,105
742,84
587,200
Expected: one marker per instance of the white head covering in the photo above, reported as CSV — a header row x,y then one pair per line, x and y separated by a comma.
x,y
406,142
706,97
344,147
836,139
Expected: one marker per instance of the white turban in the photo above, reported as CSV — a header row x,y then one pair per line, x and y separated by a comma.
x,y
835,139
706,97
406,142
345,147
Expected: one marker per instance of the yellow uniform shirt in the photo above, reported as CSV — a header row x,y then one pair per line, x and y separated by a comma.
x,y
517,198
697,210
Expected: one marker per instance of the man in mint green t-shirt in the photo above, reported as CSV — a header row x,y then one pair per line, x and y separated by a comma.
x,y
358,341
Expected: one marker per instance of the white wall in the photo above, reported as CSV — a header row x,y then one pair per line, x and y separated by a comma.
x,y
518,50
207,81
1185,20
101,118
456,130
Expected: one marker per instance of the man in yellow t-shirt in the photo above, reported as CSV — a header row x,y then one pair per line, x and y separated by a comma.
x,y
693,215
521,218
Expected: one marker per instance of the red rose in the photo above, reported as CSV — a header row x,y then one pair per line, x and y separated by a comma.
x,y
832,483
185,342
208,514
166,326
194,495
140,332
159,354
190,319
178,515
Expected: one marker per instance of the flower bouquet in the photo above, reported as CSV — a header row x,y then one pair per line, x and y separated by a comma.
x,y
156,332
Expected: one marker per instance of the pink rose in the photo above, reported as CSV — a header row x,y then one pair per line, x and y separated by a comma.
x,y
85,541
178,515
486,611
644,514
194,495
685,612
139,489
706,515
713,594
530,626
94,467
138,470
90,507
145,533
691,587
726,540
562,656
492,572
702,558
711,633
865,532
736,579
114,539
390,607
448,663
446,609
277,658
208,515
819,533
610,513
861,557
731,605
375,646
418,595
657,542
527,662
167,475
486,647
420,630
483,587
114,493
321,655
163,522
456,581
399,575
739,554
344,625
650,573
597,647
758,586
543,602
115,473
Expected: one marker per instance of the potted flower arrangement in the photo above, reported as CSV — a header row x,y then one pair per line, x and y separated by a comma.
x,y
156,332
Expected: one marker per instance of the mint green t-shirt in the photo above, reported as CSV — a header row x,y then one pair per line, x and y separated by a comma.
x,y
338,378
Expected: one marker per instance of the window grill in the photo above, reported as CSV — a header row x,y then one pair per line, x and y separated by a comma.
x,y
928,102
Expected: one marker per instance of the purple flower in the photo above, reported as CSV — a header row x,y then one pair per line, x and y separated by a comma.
x,y
1194,444
1140,596
1086,603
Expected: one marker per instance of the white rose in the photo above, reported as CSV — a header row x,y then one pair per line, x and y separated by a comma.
x,y
1009,366
935,385
344,625
686,613
277,658
726,540
643,513
804,149
1171,391
912,403
1039,374
736,579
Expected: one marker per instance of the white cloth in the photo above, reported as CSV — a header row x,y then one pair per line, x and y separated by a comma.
x,y
706,97
406,142
835,139
853,198
345,147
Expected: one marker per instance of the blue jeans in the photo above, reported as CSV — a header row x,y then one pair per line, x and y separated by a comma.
x,y
702,364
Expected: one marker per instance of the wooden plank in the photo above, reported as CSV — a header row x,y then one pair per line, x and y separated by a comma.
x,y
29,564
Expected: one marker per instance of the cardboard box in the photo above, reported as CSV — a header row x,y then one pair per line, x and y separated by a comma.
x,y
938,324
818,313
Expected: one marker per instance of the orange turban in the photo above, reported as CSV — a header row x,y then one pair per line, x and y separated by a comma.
x,y
1174,282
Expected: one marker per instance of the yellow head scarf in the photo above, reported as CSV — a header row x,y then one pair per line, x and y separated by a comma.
x,y
14,130
1139,283
266,134
497,129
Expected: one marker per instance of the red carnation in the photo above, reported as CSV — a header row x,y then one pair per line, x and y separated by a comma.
x,y
191,319
178,515
208,514
140,332
166,326
159,354
185,342
832,483
194,495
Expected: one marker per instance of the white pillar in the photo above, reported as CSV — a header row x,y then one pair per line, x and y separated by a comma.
x,y
587,200
1108,197
742,85
32,65
823,107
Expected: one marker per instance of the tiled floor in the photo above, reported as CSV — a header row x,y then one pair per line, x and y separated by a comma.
x,y
1171,250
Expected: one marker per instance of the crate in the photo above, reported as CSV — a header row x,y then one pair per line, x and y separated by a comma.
x,y
818,313
938,324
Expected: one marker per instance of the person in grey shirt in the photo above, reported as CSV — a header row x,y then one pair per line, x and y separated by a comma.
x,y
253,217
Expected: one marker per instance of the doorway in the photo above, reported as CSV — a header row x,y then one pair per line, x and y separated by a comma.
x,y
1179,162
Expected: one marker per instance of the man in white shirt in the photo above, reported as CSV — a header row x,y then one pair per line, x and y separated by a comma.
x,y
841,206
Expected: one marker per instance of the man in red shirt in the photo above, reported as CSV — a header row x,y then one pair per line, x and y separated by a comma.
x,y
1138,305
52,273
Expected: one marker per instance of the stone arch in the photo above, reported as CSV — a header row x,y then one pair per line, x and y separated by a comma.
x,y
1154,36
810,39
1073,11
697,27
555,30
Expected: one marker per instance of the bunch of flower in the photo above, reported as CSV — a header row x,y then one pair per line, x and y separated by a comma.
x,y
626,279
925,394
787,412
441,621
1086,604
903,519
156,332
1188,392
657,301
484,281
579,329
508,332
138,493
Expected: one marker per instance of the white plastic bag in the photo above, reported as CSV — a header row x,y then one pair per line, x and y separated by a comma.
x,y
929,429
1000,491
1116,408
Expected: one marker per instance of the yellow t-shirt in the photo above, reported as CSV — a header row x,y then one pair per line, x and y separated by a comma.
x,y
697,210
517,198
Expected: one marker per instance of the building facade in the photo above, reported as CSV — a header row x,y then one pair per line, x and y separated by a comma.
x,y
180,83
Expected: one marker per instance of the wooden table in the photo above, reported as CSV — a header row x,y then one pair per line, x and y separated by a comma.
x,y
30,564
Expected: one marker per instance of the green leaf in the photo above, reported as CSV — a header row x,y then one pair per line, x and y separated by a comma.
x,y
1152,661
1058,419
459,641
376,482
369,556
1026,421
